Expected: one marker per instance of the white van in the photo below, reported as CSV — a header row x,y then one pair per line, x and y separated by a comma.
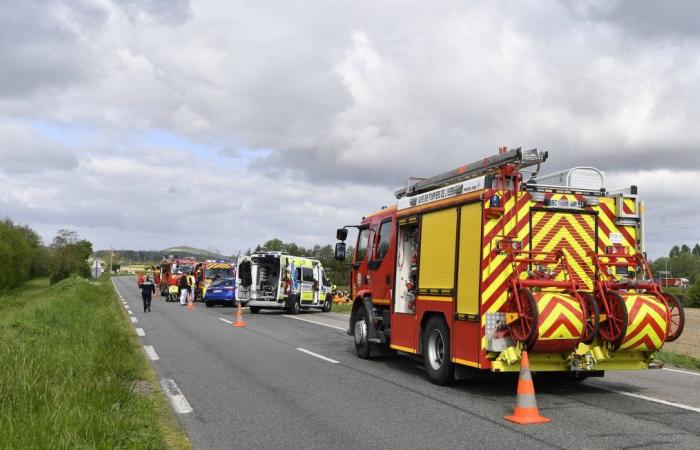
x,y
275,280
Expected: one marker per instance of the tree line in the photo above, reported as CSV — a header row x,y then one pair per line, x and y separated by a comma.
x,y
23,255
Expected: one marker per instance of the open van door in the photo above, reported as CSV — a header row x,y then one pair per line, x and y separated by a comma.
x,y
244,278
317,283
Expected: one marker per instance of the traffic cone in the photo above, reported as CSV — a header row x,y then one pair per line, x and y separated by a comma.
x,y
190,303
239,317
526,411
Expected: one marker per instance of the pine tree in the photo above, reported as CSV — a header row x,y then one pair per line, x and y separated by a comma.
x,y
675,251
696,250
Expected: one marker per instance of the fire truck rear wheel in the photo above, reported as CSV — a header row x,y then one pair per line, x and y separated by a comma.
x,y
254,309
436,352
362,344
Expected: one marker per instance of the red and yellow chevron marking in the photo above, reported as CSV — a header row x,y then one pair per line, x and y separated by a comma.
x,y
574,234
560,316
218,266
607,211
646,323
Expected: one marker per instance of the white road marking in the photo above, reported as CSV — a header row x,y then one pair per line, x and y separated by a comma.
x,y
151,352
655,400
303,350
134,320
697,374
317,323
179,402
129,311
224,320
140,332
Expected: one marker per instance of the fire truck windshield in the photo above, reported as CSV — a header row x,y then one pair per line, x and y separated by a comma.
x,y
179,270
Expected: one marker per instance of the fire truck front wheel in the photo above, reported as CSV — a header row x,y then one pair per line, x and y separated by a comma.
x,y
360,332
436,352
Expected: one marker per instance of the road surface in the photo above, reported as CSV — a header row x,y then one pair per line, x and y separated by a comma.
x,y
295,382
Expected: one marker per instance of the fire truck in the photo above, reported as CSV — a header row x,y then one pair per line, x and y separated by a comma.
x,y
206,272
473,266
171,268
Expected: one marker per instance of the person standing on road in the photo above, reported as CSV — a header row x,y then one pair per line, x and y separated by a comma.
x,y
193,284
147,290
184,285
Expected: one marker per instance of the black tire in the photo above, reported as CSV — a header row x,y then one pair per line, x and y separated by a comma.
x,y
296,306
362,344
254,309
436,352
327,305
209,304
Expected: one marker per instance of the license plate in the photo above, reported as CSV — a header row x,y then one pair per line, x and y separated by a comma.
x,y
217,291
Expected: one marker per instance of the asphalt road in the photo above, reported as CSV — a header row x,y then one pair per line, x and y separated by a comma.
x,y
257,387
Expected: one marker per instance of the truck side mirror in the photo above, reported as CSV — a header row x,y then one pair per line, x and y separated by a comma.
x,y
341,234
340,251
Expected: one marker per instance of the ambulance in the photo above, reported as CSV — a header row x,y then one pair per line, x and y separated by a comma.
x,y
276,280
475,266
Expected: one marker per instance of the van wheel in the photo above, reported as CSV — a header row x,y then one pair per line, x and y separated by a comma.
x,y
327,305
436,352
254,309
360,332
208,304
296,306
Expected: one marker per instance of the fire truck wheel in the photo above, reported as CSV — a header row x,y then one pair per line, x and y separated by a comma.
x,y
254,309
677,319
362,344
436,352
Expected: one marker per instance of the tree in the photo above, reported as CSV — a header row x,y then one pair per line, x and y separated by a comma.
x,y
694,293
675,251
696,250
69,256
685,250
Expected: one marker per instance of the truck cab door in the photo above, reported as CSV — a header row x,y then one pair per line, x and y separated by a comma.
x,y
380,265
359,280
244,278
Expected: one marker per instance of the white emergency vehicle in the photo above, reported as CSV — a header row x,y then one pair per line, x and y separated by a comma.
x,y
275,280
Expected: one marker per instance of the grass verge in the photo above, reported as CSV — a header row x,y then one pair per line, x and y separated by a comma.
x,y
344,308
72,374
678,360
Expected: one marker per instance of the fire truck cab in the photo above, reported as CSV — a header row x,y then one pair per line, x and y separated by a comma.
x,y
473,266
275,280
171,269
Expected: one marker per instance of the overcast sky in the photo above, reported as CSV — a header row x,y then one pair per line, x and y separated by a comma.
x,y
152,123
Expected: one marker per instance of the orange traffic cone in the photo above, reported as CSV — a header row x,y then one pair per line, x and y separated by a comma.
x,y
239,317
190,303
526,411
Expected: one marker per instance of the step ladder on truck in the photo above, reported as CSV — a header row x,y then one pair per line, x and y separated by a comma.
x,y
473,266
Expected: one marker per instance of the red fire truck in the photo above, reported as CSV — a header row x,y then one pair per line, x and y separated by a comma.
x,y
473,266
171,268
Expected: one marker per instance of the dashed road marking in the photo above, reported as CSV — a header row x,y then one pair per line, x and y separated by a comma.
x,y
303,350
140,332
134,320
697,374
129,311
224,320
151,352
177,399
317,323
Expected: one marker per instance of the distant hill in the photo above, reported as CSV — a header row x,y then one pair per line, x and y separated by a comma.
x,y
154,256
185,250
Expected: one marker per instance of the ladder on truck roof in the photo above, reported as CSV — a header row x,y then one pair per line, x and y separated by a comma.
x,y
486,166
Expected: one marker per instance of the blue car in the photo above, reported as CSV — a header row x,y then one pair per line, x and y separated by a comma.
x,y
221,292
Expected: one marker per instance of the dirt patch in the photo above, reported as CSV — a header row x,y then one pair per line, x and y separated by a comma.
x,y
141,387
689,342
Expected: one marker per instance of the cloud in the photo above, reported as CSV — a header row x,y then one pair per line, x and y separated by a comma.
x,y
254,113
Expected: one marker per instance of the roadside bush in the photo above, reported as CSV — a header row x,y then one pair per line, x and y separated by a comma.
x,y
694,294
20,255
68,256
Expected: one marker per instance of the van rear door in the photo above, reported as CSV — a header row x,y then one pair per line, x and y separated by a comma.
x,y
244,278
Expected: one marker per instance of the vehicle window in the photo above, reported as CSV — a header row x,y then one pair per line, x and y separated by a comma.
x,y
362,241
220,273
307,274
223,282
182,269
383,241
324,278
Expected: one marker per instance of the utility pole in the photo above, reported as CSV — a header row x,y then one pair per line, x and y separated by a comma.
x,y
111,254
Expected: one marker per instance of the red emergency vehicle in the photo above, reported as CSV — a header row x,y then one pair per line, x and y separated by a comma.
x,y
473,266
171,269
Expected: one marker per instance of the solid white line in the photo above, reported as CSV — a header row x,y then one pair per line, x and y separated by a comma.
x,y
656,400
317,323
140,332
303,350
697,374
134,320
151,352
179,402
224,320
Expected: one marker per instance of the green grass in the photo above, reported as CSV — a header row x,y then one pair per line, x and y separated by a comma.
x,y
344,308
679,360
72,374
